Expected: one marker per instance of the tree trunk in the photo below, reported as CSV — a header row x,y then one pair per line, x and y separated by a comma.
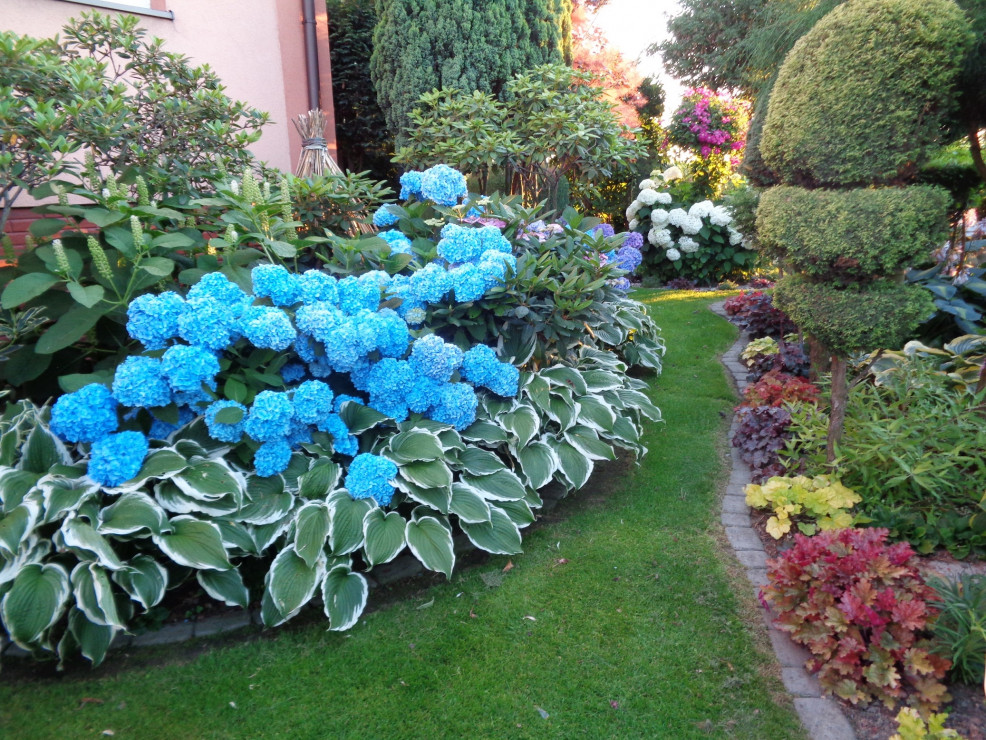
x,y
818,358
977,152
837,414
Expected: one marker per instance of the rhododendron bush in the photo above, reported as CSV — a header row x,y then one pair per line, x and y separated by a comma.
x,y
322,423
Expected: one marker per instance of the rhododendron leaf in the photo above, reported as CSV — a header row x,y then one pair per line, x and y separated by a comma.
x,y
499,536
344,595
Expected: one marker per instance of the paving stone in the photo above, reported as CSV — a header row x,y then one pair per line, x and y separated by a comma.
x,y
787,652
735,505
823,719
732,519
752,558
743,538
735,489
757,576
166,635
225,623
799,682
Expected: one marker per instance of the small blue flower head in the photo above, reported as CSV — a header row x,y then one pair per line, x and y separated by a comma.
x,y
216,287
359,376
138,382
382,218
343,398
491,238
293,372
153,319
187,368
622,284
423,393
208,323
481,367
270,416
316,286
494,266
604,229
370,476
342,441
356,295
162,429
415,314
276,283
456,405
272,457
300,434
430,284
220,430
432,357
312,401
86,415
460,244
377,277
267,328
634,239
399,244
319,320
469,282
117,458
389,380
443,185
392,334
628,258
410,185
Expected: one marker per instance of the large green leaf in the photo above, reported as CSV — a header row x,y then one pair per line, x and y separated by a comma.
x,y
359,418
636,399
94,595
428,474
15,485
145,579
64,495
414,445
311,531
34,602
538,462
566,376
344,595
431,543
194,543
69,328
383,535
499,535
523,422
587,441
26,287
346,528
596,414
484,431
86,295
573,464
601,380
291,582
468,504
479,461
132,512
16,525
519,511
436,498
208,479
89,544
320,480
173,499
163,463
93,639
504,485
43,451
225,586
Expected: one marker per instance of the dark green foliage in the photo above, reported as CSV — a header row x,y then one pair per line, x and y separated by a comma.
x,y
960,630
361,130
848,109
754,168
853,235
421,45
856,318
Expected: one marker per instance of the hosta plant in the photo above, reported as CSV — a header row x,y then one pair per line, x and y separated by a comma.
x,y
862,608
818,503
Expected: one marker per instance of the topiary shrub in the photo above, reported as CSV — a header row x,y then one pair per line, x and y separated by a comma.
x,y
849,108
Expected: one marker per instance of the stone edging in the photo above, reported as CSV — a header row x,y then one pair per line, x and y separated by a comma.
x,y
821,715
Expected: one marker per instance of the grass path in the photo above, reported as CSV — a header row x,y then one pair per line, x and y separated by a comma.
x,y
619,621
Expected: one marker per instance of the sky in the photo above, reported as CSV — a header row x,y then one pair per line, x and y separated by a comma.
x,y
632,26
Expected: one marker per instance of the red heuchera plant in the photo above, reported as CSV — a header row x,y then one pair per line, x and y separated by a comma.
x,y
777,388
861,607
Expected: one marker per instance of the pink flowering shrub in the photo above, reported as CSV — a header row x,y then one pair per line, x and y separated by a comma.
x,y
709,124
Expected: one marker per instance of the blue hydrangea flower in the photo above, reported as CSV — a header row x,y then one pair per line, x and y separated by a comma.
x,y
459,243
356,295
276,283
369,476
423,393
382,217
604,229
342,441
633,239
272,457
360,374
343,398
318,320
392,334
492,239
208,323
153,319
220,430
389,380
162,429
433,357
267,328
312,401
300,434
117,458
469,283
86,415
216,287
481,367
315,286
430,284
292,372
399,244
345,347
187,368
628,258
138,382
456,405
270,416
410,185
443,185
622,283
379,278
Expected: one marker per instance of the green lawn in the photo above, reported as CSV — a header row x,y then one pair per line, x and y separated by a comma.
x,y
621,620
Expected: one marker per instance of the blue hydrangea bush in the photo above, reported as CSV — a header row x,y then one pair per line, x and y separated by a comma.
x,y
325,423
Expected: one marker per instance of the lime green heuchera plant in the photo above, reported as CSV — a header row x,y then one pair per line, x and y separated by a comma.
x,y
821,499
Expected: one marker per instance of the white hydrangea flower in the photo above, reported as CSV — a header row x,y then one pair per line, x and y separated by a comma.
x,y
701,209
688,245
735,237
647,196
673,254
664,198
647,184
720,216
660,237
659,217
677,217
692,225
634,223
673,173
632,210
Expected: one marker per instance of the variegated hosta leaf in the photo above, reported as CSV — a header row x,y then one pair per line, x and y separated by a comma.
x,y
346,528
573,465
311,530
42,451
427,474
209,480
499,536
482,430
16,526
519,512
92,639
383,534
468,504
62,496
87,543
538,463
291,583
33,550
175,500
431,543
132,513
478,461
636,399
414,445
145,579
320,480
504,485
34,602
194,543
587,441
265,502
344,595
159,464
225,586
94,595
15,485
436,498
567,377
523,422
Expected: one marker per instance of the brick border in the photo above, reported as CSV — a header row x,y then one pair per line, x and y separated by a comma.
x,y
821,715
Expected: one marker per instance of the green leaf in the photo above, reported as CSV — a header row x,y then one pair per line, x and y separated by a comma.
x,y
359,418
194,543
34,602
383,535
22,289
504,485
573,464
173,240
93,639
636,399
229,415
484,431
225,586
291,582
163,463
561,410
64,495
523,423
69,328
283,249
16,525
320,480
415,445
132,512
208,479
538,462
43,451
479,461
88,296
468,504
45,227
344,595
431,543
436,498
159,267
519,511
499,536
346,528
430,474
88,544
587,441
566,376
94,595
311,531
15,485
235,390
266,501
596,414
601,380
145,579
